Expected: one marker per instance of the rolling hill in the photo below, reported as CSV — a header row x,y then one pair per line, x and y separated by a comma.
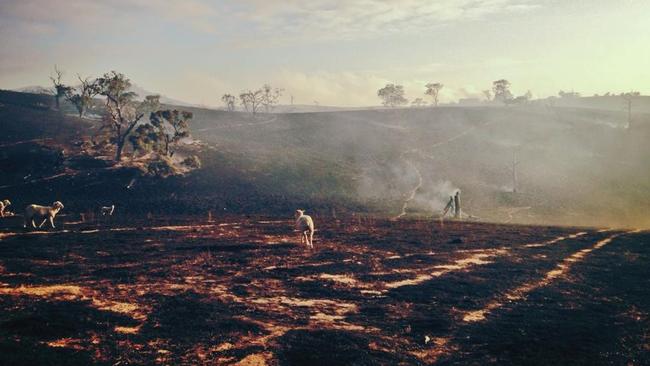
x,y
576,166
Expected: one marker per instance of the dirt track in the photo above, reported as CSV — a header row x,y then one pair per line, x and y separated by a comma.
x,y
240,291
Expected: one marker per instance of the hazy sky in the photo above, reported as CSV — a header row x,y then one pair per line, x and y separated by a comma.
x,y
336,52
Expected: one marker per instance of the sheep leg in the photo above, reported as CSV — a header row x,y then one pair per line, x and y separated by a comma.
x,y
33,223
311,239
52,221
42,223
304,235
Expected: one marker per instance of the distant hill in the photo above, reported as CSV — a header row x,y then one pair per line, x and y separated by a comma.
x,y
640,104
574,166
34,89
141,92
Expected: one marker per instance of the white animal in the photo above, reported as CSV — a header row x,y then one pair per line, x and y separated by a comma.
x,y
305,225
3,205
108,210
42,212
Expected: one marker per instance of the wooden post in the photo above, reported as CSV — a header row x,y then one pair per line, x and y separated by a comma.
x,y
514,171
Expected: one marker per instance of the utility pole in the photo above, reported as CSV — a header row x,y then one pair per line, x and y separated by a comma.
x,y
629,96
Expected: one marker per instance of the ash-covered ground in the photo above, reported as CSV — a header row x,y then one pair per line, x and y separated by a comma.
x,y
242,291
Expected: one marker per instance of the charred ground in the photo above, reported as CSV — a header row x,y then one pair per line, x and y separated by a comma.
x,y
241,291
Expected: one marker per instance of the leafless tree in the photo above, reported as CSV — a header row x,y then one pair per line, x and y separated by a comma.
x,y
84,95
60,89
252,100
229,101
270,97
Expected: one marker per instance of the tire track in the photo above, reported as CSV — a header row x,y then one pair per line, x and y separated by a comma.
x,y
446,346
520,293
478,258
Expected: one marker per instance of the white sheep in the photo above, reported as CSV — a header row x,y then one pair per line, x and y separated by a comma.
x,y
108,210
305,225
3,206
42,212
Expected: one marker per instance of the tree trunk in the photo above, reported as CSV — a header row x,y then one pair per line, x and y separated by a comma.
x,y
118,151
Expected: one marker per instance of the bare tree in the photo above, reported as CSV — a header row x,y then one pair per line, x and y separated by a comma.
x,y
252,100
84,95
60,89
433,89
123,113
270,97
501,90
629,97
229,101
392,95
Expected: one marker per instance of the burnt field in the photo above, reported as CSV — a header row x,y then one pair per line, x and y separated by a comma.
x,y
241,291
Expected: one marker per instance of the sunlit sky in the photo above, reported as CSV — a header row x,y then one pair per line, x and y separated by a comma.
x,y
335,52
